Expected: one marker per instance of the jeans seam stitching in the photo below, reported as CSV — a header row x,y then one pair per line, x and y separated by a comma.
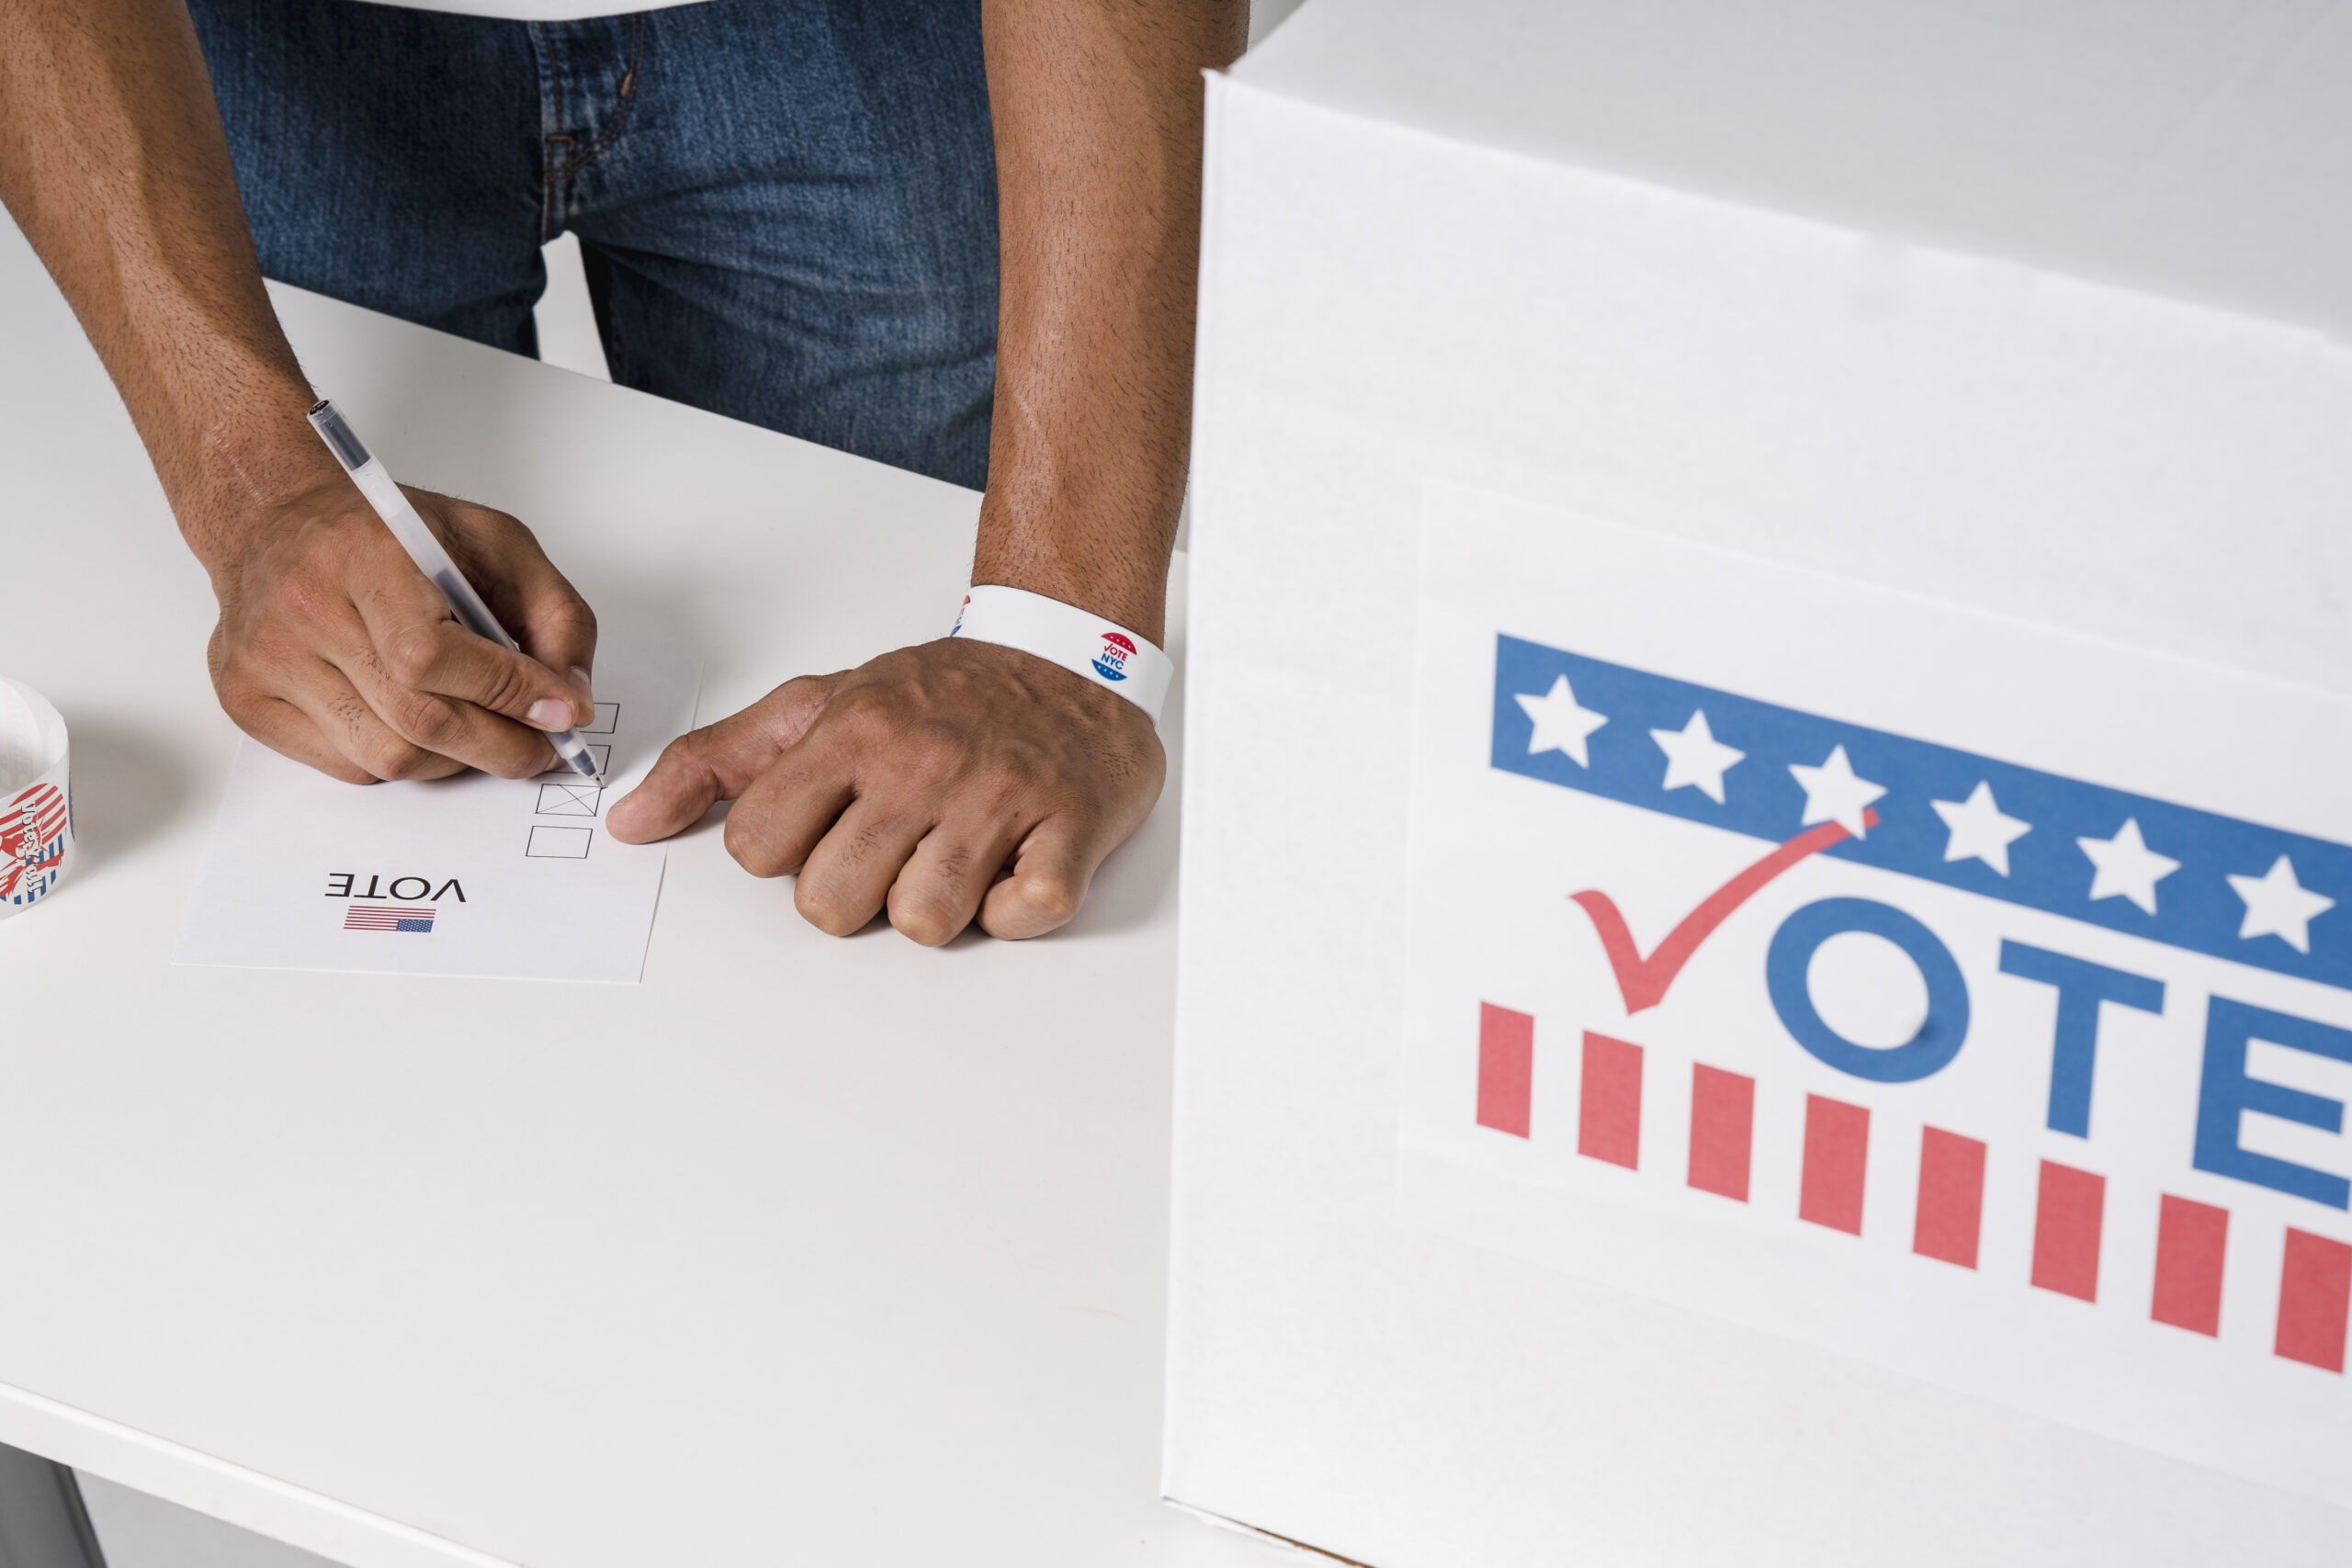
x,y
627,98
544,50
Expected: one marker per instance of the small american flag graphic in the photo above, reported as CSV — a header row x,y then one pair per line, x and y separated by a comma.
x,y
387,918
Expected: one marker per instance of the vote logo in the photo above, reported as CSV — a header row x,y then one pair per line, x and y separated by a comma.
x,y
1111,661
2020,1080
32,843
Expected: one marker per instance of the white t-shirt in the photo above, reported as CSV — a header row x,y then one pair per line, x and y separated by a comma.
x,y
537,10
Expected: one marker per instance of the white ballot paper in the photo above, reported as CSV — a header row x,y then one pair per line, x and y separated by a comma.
x,y
510,878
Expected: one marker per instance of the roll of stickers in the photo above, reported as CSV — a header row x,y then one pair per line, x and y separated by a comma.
x,y
35,799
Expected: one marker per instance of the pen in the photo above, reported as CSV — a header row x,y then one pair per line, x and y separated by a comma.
x,y
375,483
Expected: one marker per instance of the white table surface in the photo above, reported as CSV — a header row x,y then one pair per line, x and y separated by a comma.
x,y
804,1251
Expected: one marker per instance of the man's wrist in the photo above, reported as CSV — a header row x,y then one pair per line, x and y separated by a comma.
x,y
1127,606
229,477
1095,648
1117,571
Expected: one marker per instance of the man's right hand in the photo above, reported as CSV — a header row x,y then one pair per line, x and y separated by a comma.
x,y
333,648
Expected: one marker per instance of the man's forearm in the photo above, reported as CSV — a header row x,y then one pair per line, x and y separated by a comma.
x,y
962,780
1097,111
113,161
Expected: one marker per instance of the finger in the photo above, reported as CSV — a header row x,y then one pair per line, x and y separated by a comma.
x,y
789,808
1051,871
546,614
848,874
531,599
459,731
418,646
398,686
344,717
940,887
288,730
717,762
269,718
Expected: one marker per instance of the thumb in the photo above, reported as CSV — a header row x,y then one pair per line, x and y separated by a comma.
x,y
718,761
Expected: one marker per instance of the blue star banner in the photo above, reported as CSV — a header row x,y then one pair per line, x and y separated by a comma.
x,y
2172,874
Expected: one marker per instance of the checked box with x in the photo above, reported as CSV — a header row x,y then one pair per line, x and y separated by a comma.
x,y
580,799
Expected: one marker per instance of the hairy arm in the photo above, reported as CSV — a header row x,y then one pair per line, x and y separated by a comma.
x,y
113,161
330,647
1097,136
959,780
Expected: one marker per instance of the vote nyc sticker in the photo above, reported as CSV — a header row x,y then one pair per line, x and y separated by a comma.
x,y
35,799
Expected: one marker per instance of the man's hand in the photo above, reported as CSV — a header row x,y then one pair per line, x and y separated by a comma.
x,y
961,778
952,779
334,649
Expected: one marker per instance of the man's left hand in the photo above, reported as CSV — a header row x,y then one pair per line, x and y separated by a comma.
x,y
941,781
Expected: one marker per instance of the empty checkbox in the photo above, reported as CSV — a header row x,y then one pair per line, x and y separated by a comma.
x,y
558,843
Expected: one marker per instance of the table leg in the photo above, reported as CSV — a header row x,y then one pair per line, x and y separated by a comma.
x,y
42,1522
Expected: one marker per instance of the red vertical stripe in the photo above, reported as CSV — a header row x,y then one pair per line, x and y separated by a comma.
x,y
2313,1289
2191,1241
1951,1197
1609,1121
1723,1123
1506,1069
2067,1218
1836,1148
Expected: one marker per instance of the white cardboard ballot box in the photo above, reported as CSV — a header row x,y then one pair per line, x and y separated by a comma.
x,y
1767,960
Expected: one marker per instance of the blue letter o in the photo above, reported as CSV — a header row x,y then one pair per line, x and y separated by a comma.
x,y
1790,956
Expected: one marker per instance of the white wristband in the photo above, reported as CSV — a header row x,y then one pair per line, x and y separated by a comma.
x,y
1103,651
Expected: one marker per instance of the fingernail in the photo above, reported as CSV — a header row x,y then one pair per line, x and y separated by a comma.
x,y
587,704
550,713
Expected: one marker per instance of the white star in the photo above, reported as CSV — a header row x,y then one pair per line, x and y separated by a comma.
x,y
1979,831
2128,868
2277,904
1832,792
1560,725
1693,756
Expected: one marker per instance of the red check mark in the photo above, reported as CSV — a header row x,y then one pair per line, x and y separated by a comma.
x,y
1644,981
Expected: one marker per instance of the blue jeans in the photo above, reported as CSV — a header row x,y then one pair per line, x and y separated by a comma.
x,y
787,207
